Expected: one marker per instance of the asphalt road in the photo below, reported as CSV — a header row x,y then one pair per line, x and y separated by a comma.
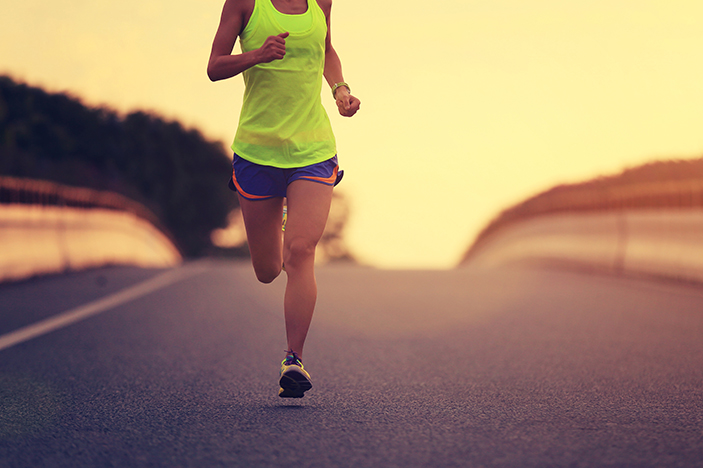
x,y
496,368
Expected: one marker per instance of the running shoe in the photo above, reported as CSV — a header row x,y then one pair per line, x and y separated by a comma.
x,y
295,380
340,174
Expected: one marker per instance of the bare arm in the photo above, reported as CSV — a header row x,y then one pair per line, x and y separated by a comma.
x,y
347,104
222,63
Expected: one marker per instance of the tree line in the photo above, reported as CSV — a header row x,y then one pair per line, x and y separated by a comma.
x,y
174,171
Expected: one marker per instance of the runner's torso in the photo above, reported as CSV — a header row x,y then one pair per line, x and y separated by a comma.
x,y
282,122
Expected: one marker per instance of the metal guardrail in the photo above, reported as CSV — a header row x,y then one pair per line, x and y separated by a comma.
x,y
683,194
16,190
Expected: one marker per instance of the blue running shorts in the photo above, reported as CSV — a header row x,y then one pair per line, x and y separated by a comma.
x,y
256,182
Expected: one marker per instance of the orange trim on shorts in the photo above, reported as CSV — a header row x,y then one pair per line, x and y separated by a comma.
x,y
247,195
325,180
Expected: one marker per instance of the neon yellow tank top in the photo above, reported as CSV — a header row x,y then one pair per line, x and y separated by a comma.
x,y
282,122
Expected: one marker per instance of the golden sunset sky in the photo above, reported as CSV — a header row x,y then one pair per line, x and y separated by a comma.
x,y
467,106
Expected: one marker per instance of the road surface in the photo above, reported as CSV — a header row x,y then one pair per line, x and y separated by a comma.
x,y
496,368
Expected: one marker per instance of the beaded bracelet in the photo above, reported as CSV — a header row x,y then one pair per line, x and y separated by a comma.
x,y
339,85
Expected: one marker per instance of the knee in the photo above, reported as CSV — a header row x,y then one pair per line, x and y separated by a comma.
x,y
266,274
298,251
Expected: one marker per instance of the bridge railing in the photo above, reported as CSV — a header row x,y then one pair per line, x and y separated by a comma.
x,y
15,190
680,194
652,229
46,227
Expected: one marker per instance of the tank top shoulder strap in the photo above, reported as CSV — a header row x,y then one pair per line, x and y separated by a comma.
x,y
253,20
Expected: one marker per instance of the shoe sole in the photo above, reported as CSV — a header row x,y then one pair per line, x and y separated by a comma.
x,y
293,385
340,175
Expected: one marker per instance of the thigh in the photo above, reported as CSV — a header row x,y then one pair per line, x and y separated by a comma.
x,y
262,220
308,208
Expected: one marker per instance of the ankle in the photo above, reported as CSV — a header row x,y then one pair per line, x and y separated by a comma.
x,y
294,355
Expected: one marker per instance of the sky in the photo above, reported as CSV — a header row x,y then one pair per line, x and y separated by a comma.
x,y
468,106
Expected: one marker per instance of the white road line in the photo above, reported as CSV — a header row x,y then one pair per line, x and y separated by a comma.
x,y
93,308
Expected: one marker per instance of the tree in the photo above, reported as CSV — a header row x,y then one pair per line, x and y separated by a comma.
x,y
175,172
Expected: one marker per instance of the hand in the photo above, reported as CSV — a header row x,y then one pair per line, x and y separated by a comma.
x,y
346,103
274,48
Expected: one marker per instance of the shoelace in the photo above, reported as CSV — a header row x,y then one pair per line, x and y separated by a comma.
x,y
292,359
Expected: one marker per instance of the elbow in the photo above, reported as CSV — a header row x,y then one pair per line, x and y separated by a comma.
x,y
217,74
211,74
212,71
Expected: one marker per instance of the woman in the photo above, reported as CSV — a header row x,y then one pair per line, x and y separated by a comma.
x,y
284,147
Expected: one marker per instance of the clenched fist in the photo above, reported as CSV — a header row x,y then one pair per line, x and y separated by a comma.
x,y
274,48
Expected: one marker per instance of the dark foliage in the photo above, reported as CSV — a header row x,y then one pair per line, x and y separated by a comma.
x,y
174,171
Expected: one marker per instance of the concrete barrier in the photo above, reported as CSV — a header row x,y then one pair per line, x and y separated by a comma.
x,y
661,242
39,239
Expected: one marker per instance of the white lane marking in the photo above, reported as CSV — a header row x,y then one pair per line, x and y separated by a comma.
x,y
72,316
